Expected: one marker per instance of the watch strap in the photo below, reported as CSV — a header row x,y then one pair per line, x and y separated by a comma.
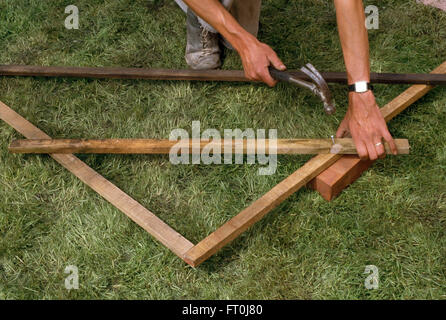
x,y
354,87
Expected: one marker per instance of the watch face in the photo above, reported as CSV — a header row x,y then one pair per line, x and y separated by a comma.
x,y
361,86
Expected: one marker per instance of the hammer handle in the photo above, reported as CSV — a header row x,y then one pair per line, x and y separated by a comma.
x,y
279,75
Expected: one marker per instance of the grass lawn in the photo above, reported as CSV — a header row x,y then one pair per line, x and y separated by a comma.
x,y
393,217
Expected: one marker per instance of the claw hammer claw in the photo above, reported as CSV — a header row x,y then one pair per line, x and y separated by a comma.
x,y
319,86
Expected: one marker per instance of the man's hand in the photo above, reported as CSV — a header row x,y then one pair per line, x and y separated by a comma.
x,y
367,126
256,58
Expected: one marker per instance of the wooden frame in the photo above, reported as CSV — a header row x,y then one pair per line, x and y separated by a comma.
x,y
183,248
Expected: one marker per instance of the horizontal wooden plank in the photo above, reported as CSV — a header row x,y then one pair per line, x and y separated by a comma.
x,y
200,75
234,146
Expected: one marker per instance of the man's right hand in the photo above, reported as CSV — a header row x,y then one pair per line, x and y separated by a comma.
x,y
256,58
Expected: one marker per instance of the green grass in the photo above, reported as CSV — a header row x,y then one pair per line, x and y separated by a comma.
x,y
393,217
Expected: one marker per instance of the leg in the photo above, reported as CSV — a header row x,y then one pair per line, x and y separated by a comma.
x,y
226,3
247,13
202,49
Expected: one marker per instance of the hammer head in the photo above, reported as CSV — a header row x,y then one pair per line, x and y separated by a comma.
x,y
318,86
321,89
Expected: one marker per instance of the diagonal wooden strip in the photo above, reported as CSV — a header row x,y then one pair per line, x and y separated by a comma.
x,y
256,211
135,211
349,168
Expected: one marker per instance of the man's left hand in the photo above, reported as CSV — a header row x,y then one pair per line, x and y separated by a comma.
x,y
367,126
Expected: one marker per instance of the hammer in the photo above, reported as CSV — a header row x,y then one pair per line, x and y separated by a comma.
x,y
319,87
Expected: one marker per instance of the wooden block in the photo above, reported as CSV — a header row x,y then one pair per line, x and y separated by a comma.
x,y
346,170
341,174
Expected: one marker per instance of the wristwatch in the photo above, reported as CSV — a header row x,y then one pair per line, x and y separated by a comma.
x,y
360,87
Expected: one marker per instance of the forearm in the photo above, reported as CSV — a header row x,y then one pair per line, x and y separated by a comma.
x,y
363,120
213,12
354,39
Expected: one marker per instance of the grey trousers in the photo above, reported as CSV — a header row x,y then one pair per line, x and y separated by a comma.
x,y
246,12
